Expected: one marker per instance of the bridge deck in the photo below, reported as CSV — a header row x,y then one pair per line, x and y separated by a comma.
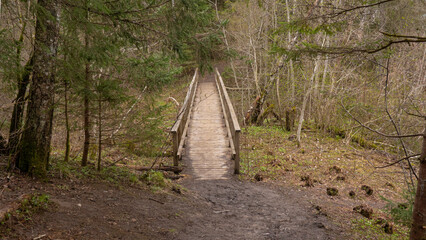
x,y
207,151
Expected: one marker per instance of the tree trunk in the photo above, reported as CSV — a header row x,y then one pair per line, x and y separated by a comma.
x,y
302,116
67,125
3,145
18,109
291,69
418,229
100,132
35,148
289,118
305,101
86,121
86,99
278,94
22,80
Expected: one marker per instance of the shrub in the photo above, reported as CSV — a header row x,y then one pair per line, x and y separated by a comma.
x,y
402,212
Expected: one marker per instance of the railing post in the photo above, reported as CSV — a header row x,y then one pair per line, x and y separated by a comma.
x,y
179,128
175,148
237,152
230,121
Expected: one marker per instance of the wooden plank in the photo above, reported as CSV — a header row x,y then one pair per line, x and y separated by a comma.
x,y
230,116
209,133
185,103
223,108
180,127
231,108
182,141
207,149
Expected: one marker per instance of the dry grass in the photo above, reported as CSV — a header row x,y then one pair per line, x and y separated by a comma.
x,y
324,162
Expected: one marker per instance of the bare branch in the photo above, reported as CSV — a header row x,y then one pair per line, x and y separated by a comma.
x,y
393,122
380,133
341,12
402,36
354,50
415,115
357,8
398,161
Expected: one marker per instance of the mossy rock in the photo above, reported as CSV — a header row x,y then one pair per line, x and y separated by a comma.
x,y
364,210
332,191
368,190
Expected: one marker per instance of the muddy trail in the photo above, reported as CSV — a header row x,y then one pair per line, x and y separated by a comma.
x,y
204,209
245,210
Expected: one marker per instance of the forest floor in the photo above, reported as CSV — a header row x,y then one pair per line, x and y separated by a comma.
x,y
336,175
269,200
281,192
216,209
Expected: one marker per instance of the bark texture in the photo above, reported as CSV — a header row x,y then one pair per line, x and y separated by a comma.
x,y
86,116
86,97
67,126
35,147
18,109
3,147
418,229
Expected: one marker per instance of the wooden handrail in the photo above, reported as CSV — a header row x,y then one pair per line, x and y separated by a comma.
x,y
180,127
231,121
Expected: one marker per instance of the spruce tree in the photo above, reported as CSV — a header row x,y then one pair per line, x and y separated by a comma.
x,y
35,147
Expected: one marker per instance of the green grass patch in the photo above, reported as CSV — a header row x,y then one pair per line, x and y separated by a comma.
x,y
112,174
272,131
402,212
364,228
27,208
155,180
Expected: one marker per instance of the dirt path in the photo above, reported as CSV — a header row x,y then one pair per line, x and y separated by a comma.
x,y
244,210
210,209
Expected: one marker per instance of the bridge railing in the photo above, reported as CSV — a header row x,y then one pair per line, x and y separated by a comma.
x,y
231,121
180,128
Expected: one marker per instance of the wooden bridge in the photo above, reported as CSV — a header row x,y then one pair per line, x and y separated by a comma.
x,y
206,133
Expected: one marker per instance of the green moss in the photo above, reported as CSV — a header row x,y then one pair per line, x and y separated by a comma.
x,y
33,160
155,180
336,131
363,142
370,229
28,206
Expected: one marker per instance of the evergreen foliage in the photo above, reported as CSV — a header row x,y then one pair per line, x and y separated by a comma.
x,y
106,50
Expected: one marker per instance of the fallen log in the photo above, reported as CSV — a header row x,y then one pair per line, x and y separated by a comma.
x,y
161,168
173,177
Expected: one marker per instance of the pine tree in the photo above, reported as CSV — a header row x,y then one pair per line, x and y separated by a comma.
x,y
35,147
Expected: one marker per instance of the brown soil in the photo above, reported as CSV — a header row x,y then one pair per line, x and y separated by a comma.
x,y
213,209
246,210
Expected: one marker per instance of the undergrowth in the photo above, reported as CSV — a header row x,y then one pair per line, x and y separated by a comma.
x,y
372,229
402,211
28,206
116,175
328,160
